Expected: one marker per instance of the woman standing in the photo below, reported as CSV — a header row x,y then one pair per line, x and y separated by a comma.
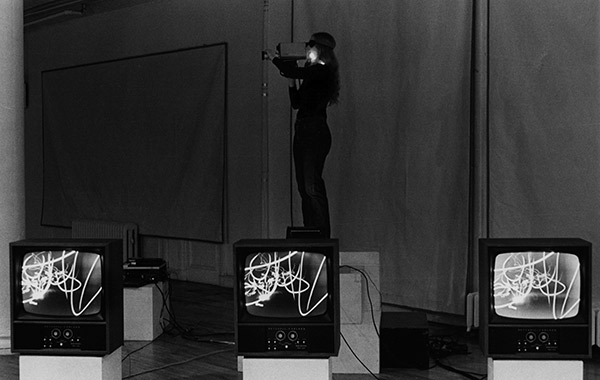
x,y
319,87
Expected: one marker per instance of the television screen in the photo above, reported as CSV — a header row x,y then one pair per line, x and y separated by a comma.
x,y
61,283
285,284
537,285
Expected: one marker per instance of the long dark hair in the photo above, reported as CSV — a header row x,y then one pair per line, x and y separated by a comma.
x,y
325,45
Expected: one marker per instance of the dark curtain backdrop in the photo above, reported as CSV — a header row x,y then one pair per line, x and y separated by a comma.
x,y
544,135
398,172
139,139
399,175
544,118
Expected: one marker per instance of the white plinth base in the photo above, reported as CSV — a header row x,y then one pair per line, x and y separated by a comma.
x,y
535,369
141,309
288,369
40,367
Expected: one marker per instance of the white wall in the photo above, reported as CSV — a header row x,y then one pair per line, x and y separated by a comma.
x,y
12,189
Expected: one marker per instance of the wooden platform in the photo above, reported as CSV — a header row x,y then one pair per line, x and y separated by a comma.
x,y
202,347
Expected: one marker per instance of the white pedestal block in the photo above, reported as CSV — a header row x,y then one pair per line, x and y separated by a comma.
x,y
141,311
288,369
535,369
40,367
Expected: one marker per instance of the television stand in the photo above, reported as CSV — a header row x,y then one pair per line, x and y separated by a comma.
x,y
535,369
36,367
286,368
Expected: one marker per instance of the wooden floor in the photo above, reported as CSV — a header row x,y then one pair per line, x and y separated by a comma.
x,y
200,346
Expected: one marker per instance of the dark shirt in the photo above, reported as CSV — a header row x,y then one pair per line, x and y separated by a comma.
x,y
313,96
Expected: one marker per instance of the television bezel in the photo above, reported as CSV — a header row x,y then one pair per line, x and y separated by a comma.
x,y
328,248
17,298
331,318
490,248
499,246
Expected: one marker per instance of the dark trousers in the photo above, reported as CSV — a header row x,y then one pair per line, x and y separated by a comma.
x,y
312,142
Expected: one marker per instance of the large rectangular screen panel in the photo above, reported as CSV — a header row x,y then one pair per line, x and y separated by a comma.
x,y
121,135
537,285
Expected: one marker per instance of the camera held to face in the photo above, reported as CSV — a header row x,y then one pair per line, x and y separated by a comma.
x,y
290,51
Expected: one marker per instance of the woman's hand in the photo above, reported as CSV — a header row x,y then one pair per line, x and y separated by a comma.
x,y
270,53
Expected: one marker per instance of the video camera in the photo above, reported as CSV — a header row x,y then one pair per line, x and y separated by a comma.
x,y
290,51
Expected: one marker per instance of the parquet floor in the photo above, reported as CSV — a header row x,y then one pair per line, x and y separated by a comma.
x,y
199,345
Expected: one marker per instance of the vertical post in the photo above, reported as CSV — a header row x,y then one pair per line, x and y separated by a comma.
x,y
265,127
12,172
277,159
479,136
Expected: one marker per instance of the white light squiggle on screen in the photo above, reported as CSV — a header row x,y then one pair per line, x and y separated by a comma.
x,y
42,270
266,273
522,275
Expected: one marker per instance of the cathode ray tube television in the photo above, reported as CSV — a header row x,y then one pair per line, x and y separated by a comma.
x,y
66,296
287,297
535,297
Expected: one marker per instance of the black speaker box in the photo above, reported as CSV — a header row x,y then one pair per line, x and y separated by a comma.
x,y
404,339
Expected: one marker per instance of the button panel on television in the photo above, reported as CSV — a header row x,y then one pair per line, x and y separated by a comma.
x,y
286,339
537,340
61,337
